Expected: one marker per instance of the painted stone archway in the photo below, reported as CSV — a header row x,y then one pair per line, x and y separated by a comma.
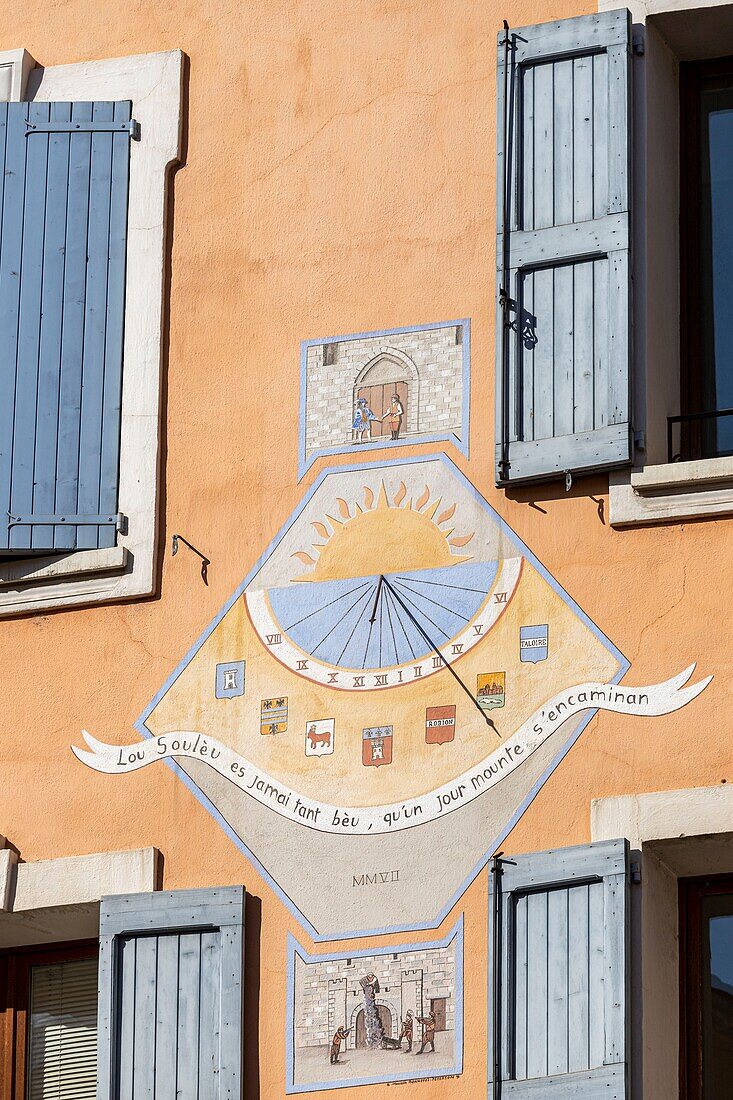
x,y
391,371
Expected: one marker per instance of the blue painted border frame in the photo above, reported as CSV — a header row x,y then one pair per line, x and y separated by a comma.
x,y
313,933
294,948
462,444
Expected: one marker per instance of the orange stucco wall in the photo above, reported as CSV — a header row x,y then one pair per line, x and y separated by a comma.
x,y
339,177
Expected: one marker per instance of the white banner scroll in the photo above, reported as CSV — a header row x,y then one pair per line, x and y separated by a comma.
x,y
348,820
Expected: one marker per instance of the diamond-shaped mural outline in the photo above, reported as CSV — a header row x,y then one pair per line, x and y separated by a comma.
x,y
575,732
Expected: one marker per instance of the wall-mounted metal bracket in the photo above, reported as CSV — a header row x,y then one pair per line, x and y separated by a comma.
x,y
205,562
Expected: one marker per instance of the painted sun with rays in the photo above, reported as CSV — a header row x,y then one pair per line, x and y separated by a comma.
x,y
389,584
406,534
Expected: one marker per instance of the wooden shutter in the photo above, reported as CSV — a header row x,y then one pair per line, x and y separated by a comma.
x,y
563,336
563,974
64,172
170,1011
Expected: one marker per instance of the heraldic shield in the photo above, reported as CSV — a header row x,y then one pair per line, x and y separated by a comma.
x,y
381,610
376,747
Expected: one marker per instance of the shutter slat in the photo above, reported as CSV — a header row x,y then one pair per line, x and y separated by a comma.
x,y
187,1045
521,997
563,375
144,1049
63,239
125,1024
72,343
166,1020
578,1018
47,417
564,974
95,325
114,336
29,314
13,172
558,958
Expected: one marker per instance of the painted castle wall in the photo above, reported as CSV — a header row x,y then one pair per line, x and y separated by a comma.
x,y
429,361
331,996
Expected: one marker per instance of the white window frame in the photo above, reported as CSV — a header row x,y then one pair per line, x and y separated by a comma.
x,y
672,835
15,65
153,82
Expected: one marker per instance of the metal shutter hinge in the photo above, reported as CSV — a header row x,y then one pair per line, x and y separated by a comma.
x,y
131,127
636,873
119,520
637,45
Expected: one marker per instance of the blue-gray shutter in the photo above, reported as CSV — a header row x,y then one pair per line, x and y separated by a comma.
x,y
564,974
564,341
170,995
64,174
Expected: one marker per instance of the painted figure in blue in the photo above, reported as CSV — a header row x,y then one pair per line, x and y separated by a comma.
x,y
362,426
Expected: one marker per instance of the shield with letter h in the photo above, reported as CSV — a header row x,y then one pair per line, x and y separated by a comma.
x,y
376,746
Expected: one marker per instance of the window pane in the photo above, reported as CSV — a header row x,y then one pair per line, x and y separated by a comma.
x,y
716,260
717,996
62,1047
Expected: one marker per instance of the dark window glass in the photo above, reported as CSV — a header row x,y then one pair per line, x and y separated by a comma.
x,y
707,257
717,996
707,988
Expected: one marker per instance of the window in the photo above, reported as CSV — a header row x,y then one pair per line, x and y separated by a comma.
x,y
48,1024
83,531
563,342
171,994
706,926
559,973
706,112
598,368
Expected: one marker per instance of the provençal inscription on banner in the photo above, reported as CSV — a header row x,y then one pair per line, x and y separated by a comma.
x,y
412,666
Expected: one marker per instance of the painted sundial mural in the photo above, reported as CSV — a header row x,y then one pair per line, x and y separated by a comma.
x,y
383,696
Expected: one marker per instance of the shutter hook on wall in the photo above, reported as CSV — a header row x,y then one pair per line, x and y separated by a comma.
x,y
205,562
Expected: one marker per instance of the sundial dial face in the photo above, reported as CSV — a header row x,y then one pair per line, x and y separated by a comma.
x,y
356,669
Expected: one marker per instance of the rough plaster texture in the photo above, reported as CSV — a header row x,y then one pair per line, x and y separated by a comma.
x,y
338,177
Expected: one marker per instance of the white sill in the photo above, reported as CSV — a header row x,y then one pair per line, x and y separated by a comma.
x,y
674,491
76,563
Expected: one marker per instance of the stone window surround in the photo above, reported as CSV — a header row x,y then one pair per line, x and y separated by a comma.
x,y
154,84
56,900
656,491
673,834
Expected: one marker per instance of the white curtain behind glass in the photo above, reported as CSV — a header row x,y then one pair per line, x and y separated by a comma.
x,y
62,1051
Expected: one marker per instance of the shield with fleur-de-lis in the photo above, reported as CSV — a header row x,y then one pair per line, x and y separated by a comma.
x,y
274,715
